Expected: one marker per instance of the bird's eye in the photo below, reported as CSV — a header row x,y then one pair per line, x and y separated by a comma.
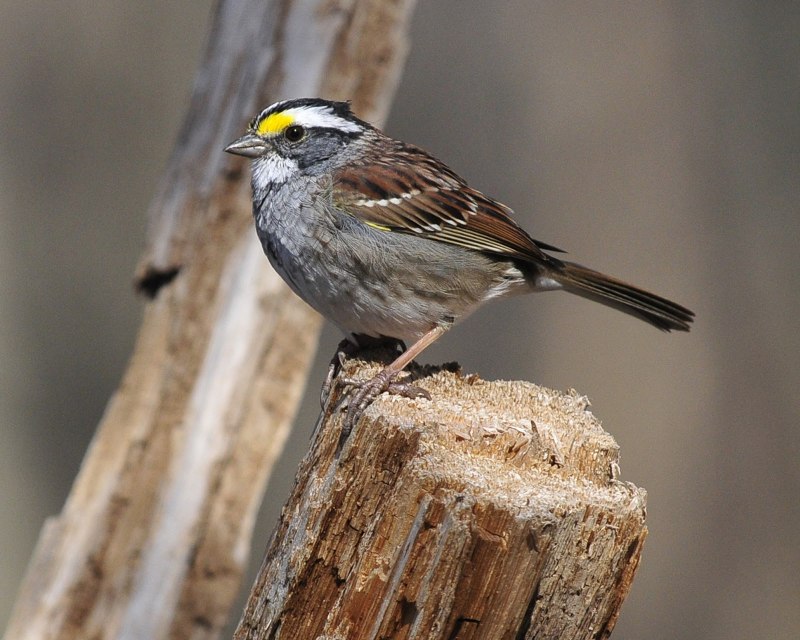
x,y
294,133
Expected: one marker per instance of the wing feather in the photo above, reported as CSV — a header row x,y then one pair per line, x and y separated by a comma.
x,y
409,191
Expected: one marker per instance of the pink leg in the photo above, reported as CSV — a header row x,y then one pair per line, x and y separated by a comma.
x,y
347,349
370,389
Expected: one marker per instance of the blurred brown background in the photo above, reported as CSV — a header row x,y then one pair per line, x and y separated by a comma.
x,y
657,141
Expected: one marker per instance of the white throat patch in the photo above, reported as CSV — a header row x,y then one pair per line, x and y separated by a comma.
x,y
273,168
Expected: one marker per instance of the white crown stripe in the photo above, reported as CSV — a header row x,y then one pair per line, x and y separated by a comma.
x,y
316,116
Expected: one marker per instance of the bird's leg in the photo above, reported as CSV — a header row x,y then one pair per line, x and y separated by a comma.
x,y
348,348
370,389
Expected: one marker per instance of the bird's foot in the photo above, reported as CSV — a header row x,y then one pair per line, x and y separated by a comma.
x,y
347,349
367,390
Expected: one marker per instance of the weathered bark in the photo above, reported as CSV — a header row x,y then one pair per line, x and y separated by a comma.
x,y
492,511
153,538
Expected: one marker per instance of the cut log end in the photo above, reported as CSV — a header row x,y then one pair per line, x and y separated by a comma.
x,y
491,511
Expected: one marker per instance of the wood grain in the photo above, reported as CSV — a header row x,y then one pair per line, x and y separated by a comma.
x,y
492,511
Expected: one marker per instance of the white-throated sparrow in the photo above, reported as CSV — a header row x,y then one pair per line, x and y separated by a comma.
x,y
386,241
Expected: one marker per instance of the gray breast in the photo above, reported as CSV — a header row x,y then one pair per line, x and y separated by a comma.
x,y
376,282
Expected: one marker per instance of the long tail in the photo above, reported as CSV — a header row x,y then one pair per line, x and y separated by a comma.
x,y
658,311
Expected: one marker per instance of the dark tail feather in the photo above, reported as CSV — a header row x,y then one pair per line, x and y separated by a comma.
x,y
658,311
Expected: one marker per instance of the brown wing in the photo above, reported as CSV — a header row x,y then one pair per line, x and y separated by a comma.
x,y
409,191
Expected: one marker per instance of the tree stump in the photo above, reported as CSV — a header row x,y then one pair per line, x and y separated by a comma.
x,y
492,511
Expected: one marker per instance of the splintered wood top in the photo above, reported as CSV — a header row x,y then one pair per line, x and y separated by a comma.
x,y
507,438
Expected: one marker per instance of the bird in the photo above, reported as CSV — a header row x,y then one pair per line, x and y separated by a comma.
x,y
390,244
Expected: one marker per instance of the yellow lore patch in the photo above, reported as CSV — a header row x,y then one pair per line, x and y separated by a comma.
x,y
274,123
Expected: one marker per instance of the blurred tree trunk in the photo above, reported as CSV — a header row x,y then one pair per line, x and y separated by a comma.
x,y
156,531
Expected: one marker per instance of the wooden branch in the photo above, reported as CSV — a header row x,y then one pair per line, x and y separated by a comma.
x,y
154,536
492,511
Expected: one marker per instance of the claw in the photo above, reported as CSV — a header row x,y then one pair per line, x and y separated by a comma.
x,y
347,349
368,390
336,364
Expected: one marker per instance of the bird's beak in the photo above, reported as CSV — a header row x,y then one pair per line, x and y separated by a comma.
x,y
249,146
